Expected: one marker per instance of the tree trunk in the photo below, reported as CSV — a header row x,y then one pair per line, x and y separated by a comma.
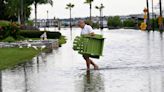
x,y
160,7
19,17
161,24
148,17
90,11
35,5
100,19
71,23
153,25
22,13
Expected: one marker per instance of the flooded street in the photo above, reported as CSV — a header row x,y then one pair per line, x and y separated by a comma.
x,y
132,61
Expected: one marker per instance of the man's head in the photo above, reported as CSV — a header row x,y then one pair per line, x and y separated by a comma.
x,y
81,23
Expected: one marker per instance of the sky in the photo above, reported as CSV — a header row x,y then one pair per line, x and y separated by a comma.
x,y
112,7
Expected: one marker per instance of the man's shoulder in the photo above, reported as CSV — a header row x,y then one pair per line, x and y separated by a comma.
x,y
87,26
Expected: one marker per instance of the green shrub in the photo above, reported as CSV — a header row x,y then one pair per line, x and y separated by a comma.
x,y
53,35
114,22
30,23
4,23
37,34
9,39
9,29
20,38
129,23
62,40
96,25
89,22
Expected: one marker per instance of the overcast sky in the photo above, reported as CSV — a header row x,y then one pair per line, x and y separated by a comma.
x,y
112,7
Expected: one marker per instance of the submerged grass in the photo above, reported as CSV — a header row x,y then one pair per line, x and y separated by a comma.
x,y
9,57
62,40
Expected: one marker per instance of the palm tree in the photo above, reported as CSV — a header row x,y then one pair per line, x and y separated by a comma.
x,y
18,9
70,6
90,4
101,18
36,2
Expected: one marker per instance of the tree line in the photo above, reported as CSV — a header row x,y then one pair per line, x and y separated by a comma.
x,y
19,10
116,22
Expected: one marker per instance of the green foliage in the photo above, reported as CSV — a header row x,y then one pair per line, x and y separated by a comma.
x,y
4,23
62,40
129,23
43,1
2,10
69,6
96,25
89,22
9,57
53,35
29,23
155,23
37,34
10,29
114,21
9,39
88,1
10,9
19,38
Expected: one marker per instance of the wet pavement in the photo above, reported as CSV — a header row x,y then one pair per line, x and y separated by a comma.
x,y
133,61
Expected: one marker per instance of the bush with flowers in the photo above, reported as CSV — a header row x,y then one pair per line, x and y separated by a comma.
x,y
10,29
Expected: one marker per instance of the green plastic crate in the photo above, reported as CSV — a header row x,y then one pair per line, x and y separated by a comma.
x,y
90,45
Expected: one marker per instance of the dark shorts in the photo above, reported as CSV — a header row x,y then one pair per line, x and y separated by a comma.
x,y
85,56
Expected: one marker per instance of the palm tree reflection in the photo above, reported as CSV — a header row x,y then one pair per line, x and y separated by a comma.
x,y
0,81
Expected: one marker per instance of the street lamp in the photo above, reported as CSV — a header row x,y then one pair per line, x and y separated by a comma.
x,y
101,15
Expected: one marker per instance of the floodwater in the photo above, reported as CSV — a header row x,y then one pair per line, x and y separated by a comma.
x,y
132,61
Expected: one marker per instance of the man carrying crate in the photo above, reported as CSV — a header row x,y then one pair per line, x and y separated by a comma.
x,y
87,29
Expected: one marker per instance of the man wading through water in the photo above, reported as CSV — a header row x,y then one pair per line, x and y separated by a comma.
x,y
87,29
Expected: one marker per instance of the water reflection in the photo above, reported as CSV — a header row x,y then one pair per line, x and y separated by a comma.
x,y
92,82
148,44
37,61
161,46
25,78
0,81
137,56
